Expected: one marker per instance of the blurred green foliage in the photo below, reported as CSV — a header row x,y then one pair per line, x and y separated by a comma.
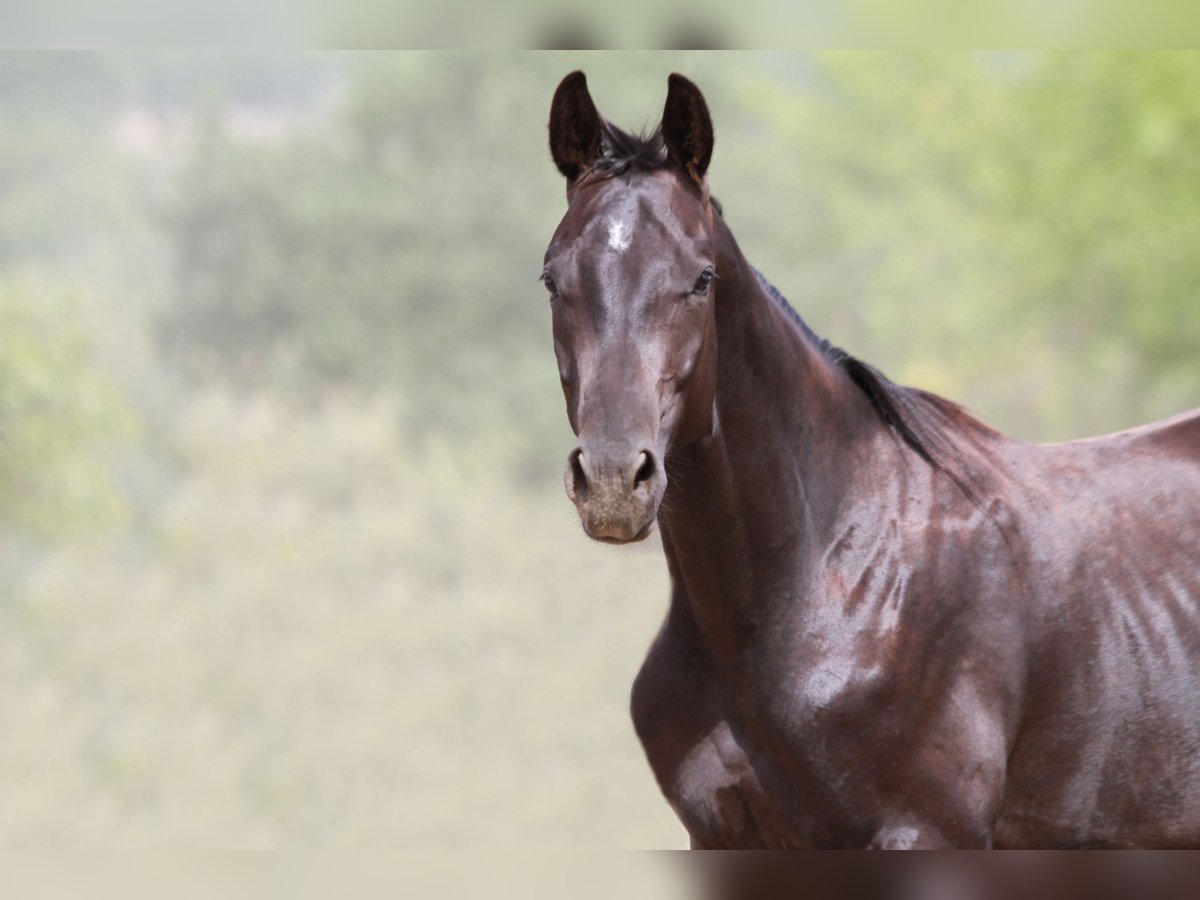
x,y
59,412
326,640
909,205
1014,230
283,310
396,244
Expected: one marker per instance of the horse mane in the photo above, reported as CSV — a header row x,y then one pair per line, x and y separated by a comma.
x,y
931,425
623,152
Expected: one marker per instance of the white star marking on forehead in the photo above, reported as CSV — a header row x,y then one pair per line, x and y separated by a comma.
x,y
619,237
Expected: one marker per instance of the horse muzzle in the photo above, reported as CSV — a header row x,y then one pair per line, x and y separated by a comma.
x,y
616,492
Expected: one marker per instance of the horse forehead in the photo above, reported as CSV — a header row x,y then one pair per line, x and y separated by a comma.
x,y
636,213
612,224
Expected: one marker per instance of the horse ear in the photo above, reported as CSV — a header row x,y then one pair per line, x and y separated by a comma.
x,y
575,131
687,128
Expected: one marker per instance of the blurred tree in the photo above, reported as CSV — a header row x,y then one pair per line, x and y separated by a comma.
x,y
1018,229
57,412
1015,231
398,245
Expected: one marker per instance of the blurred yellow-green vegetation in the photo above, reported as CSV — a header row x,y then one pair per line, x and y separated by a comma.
x,y
284,556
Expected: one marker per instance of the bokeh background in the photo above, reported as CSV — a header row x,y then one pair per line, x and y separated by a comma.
x,y
284,555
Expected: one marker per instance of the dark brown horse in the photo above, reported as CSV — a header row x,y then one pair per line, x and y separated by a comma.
x,y
890,626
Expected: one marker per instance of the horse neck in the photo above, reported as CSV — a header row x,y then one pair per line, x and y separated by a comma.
x,y
748,505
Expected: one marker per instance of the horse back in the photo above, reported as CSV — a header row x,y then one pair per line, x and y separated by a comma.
x,y
1109,747
1178,436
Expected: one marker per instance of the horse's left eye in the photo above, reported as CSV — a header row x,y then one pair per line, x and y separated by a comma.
x,y
702,283
549,283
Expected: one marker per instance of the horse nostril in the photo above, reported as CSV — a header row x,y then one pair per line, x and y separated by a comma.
x,y
579,482
645,470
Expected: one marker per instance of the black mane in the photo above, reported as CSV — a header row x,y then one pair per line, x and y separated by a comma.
x,y
623,152
926,422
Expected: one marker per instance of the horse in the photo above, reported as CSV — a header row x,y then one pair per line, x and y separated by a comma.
x,y
890,626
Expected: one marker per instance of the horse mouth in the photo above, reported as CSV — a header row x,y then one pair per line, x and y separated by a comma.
x,y
640,535
619,519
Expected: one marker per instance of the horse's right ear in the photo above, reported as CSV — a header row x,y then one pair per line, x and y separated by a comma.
x,y
575,130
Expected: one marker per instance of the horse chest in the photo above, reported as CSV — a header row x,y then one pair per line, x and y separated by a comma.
x,y
735,768
728,794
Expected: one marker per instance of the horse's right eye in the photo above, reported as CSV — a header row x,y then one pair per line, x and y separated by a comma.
x,y
549,283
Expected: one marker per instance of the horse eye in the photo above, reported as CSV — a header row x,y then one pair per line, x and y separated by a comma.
x,y
545,279
702,283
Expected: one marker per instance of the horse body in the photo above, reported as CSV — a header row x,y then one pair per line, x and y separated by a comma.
x,y
902,665
890,626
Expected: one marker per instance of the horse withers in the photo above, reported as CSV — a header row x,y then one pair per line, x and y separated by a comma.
x,y
890,626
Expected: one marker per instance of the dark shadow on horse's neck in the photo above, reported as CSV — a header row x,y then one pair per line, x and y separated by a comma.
x,y
757,498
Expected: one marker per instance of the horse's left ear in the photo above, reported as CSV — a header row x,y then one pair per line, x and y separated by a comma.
x,y
687,128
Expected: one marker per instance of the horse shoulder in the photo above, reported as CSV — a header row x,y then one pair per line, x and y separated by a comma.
x,y
725,793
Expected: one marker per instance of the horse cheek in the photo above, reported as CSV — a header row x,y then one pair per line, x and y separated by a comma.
x,y
696,420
